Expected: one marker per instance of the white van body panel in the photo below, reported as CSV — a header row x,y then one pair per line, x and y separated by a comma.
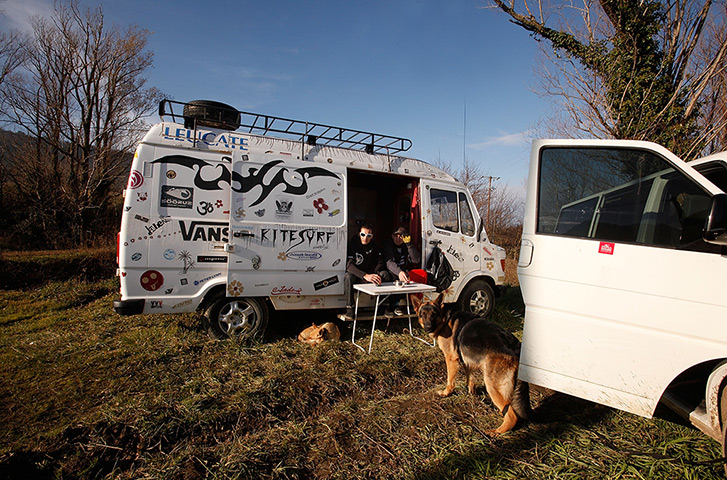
x,y
616,322
265,217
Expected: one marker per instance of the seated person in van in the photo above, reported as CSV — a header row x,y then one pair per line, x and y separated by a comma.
x,y
363,264
401,257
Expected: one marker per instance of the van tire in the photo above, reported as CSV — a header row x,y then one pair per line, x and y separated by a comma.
x,y
238,317
211,114
477,298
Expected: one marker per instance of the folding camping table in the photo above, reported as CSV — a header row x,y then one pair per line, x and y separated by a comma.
x,y
382,292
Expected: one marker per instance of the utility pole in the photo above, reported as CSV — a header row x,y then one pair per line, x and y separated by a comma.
x,y
489,195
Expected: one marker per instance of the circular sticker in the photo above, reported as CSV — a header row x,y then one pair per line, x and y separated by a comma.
x,y
136,257
169,254
151,280
136,179
171,174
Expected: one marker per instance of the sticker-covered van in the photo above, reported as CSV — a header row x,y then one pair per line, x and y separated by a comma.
x,y
621,267
236,214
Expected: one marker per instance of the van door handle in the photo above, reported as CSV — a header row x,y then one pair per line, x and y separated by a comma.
x,y
242,234
526,253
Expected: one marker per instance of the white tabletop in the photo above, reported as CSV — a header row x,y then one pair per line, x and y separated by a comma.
x,y
391,287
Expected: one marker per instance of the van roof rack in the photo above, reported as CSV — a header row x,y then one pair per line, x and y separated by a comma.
x,y
311,133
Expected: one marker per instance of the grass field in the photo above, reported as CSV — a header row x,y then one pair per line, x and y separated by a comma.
x,y
85,393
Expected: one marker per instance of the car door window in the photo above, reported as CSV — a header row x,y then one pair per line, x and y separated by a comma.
x,y
619,195
466,218
444,209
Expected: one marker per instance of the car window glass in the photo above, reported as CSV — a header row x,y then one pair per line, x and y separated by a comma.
x,y
444,209
466,218
619,195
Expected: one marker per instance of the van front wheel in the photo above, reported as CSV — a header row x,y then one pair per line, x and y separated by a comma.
x,y
477,298
238,317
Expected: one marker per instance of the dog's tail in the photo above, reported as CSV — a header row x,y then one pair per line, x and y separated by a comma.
x,y
521,400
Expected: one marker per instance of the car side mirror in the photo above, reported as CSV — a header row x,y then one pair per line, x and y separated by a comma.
x,y
715,226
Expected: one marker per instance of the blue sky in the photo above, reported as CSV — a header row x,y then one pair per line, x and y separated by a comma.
x,y
399,67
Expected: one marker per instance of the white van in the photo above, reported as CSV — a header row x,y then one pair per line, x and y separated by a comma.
x,y
621,268
231,212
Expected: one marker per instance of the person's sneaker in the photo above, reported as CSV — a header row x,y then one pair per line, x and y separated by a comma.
x,y
399,311
349,311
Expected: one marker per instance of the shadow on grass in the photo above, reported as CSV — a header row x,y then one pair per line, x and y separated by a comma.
x,y
555,416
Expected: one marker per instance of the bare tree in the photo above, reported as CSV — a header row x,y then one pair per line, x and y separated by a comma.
x,y
637,69
11,56
81,97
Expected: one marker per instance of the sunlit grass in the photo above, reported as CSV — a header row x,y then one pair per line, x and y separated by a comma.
x,y
85,393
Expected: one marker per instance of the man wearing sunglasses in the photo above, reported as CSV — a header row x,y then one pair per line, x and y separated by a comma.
x,y
364,263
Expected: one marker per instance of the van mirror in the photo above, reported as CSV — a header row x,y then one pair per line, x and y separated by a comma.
x,y
715,226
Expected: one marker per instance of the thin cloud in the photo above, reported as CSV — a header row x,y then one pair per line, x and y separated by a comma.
x,y
16,14
505,140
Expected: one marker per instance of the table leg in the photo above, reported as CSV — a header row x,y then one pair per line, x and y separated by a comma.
x,y
355,317
373,327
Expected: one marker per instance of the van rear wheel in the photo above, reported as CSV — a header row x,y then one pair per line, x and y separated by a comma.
x,y
238,317
477,298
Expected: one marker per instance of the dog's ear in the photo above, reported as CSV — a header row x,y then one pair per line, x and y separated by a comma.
x,y
439,300
415,302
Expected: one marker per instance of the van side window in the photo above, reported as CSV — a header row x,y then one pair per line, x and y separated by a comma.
x,y
619,195
468,221
444,209
715,173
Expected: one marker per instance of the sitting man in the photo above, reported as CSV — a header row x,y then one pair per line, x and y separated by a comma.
x,y
363,264
400,257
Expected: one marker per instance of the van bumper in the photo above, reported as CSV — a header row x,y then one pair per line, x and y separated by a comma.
x,y
129,307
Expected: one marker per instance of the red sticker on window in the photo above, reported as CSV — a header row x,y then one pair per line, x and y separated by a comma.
x,y
606,248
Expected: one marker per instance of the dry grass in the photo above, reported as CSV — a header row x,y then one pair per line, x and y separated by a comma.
x,y
85,393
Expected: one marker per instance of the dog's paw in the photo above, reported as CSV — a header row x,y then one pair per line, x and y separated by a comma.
x,y
444,393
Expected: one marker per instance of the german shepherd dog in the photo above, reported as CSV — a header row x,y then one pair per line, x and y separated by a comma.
x,y
480,345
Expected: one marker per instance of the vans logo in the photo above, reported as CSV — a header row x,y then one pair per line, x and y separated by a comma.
x,y
204,231
255,176
176,197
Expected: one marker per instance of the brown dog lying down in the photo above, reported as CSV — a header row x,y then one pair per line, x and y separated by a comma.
x,y
479,345
314,335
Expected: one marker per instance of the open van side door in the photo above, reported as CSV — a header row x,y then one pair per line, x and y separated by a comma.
x,y
621,292
287,220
